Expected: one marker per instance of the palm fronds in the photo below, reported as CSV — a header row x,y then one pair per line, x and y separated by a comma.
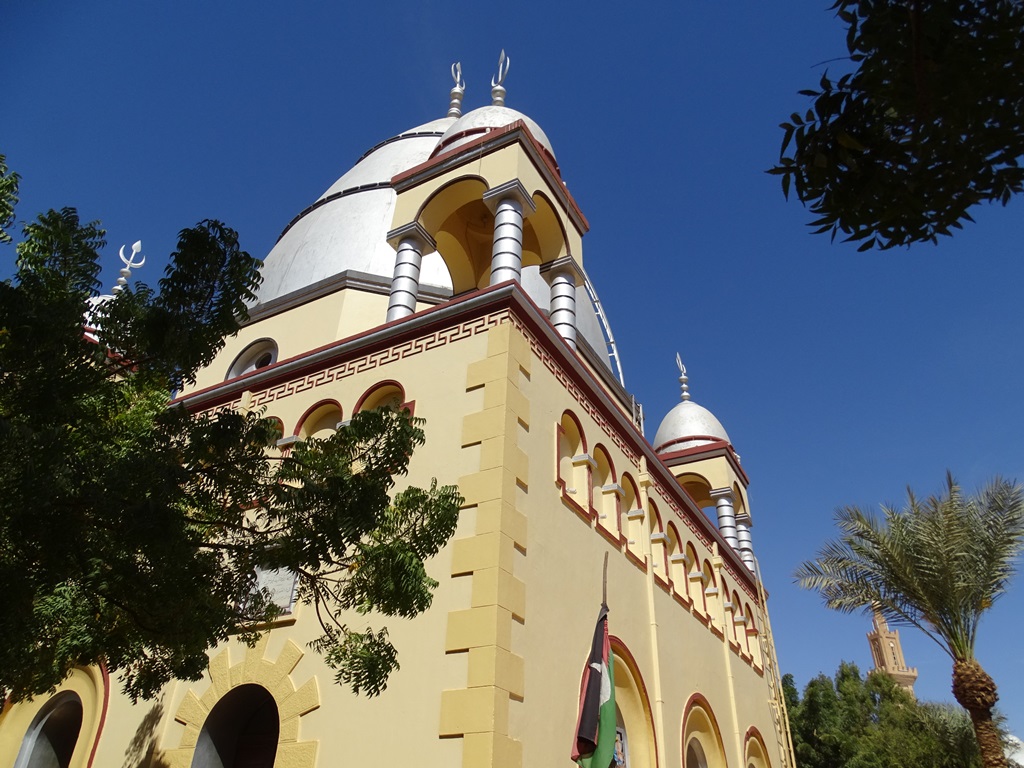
x,y
936,564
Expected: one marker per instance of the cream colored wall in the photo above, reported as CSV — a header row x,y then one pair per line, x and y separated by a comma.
x,y
562,571
490,675
436,382
308,326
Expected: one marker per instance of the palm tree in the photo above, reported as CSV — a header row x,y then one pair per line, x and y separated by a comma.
x,y
937,565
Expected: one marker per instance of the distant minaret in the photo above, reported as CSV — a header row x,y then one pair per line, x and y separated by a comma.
x,y
888,654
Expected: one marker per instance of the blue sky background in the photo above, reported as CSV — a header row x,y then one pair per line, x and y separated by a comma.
x,y
841,377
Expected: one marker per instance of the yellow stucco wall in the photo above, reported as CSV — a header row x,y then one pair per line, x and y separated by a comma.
x,y
490,674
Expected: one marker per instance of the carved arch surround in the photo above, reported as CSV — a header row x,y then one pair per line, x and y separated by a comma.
x,y
292,703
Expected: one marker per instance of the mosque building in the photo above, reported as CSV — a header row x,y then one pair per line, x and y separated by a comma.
x,y
444,272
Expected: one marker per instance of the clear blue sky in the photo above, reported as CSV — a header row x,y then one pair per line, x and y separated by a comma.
x,y
841,377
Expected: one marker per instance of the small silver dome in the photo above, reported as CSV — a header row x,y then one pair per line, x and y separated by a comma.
x,y
474,124
687,426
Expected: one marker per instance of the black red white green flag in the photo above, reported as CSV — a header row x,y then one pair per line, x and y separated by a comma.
x,y
595,725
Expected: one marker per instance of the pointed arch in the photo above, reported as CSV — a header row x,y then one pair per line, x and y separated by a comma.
x,y
702,744
634,715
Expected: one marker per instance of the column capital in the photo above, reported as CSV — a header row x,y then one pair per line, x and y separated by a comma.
x,y
510,189
412,231
722,493
566,265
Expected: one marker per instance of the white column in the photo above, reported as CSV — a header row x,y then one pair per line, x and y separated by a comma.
x,y
726,516
743,524
563,307
410,241
563,276
510,203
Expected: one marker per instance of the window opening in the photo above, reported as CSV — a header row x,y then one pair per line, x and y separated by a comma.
x,y
51,738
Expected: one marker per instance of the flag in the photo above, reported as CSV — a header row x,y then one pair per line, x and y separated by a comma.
x,y
595,725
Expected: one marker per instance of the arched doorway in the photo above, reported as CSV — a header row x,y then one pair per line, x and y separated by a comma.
x,y
241,731
51,738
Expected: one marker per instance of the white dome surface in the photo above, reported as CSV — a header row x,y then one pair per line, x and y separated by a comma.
x,y
687,426
346,229
473,124
349,232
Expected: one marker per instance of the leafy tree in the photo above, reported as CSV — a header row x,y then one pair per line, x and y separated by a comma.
x,y
856,722
938,565
132,532
928,122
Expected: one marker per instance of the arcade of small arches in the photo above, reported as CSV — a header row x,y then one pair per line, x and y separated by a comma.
x,y
612,504
324,417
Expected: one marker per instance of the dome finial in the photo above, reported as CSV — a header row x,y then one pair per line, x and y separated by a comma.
x,y
455,108
497,89
129,264
683,379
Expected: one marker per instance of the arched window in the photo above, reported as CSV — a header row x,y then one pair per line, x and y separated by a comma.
x,y
628,509
756,755
320,421
694,577
739,622
712,598
634,724
659,542
385,394
260,354
676,561
607,491
753,636
51,738
574,464
695,755
702,739
731,610
241,731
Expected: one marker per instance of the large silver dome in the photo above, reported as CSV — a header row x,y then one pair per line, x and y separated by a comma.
x,y
346,228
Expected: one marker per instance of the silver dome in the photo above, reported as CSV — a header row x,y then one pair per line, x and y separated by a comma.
x,y
474,124
686,426
346,229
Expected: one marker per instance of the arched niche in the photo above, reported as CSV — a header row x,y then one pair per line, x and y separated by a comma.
x,y
676,560
755,753
633,707
712,598
698,488
605,493
572,467
544,237
694,577
58,731
463,227
702,744
241,731
320,420
384,394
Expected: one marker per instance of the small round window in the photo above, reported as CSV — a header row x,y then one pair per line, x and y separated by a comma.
x,y
259,354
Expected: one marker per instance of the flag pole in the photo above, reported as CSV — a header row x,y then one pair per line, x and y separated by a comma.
x,y
604,584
